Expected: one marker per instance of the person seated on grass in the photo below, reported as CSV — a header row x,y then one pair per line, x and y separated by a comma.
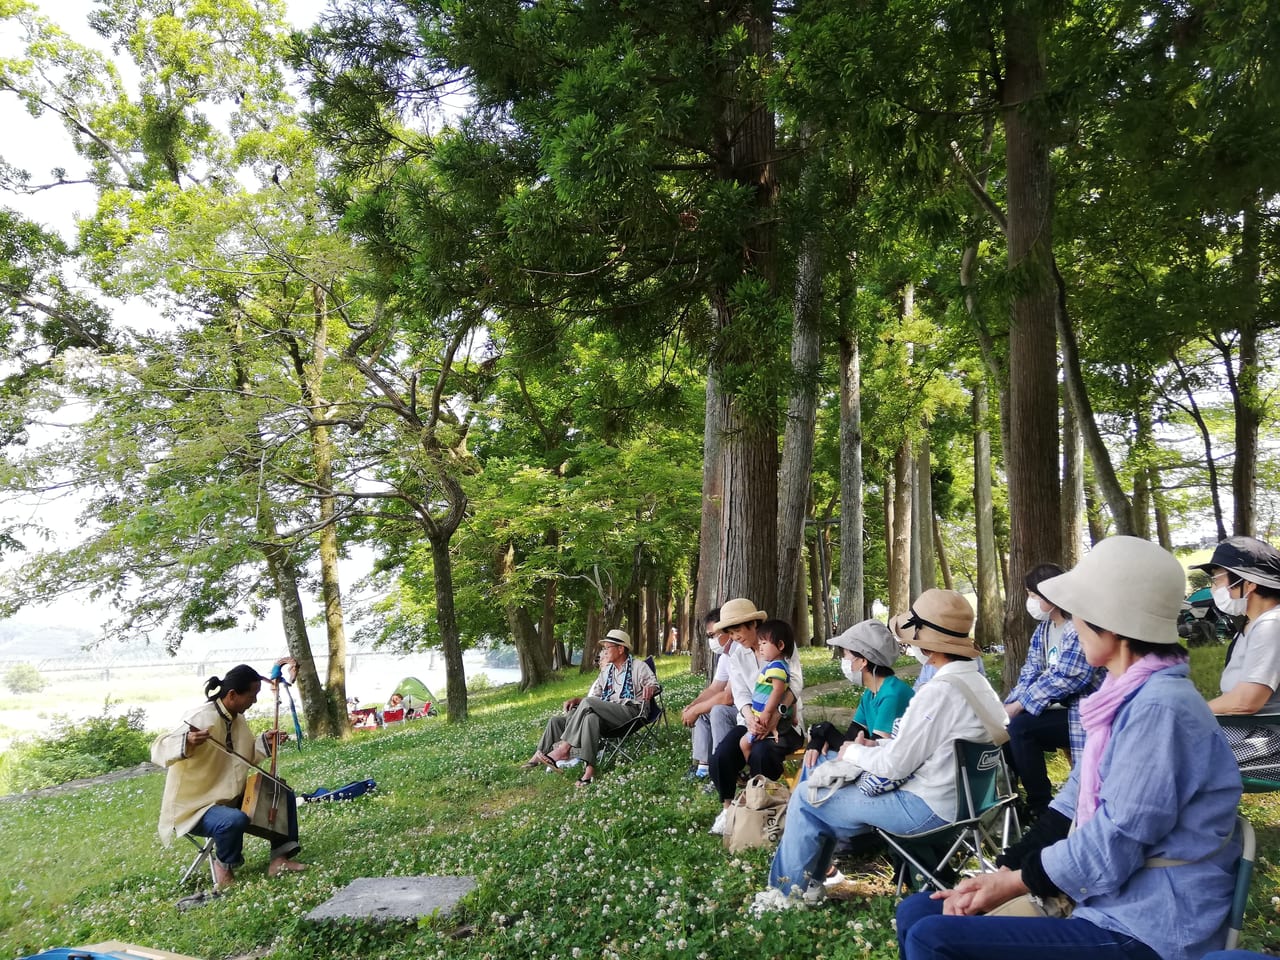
x,y
1044,705
620,693
745,625
204,784
1245,577
711,714
1141,841
905,784
776,645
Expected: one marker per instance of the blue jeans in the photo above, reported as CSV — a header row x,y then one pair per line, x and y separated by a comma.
x,y
226,826
809,839
925,934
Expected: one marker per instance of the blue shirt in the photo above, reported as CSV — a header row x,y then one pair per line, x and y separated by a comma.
x,y
1057,672
877,710
1170,788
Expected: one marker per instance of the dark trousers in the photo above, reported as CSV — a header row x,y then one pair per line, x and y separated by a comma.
x,y
1030,738
766,758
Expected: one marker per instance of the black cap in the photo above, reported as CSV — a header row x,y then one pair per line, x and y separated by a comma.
x,y
1254,560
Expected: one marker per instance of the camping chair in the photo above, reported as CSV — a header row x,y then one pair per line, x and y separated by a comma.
x,y
1244,877
986,822
204,854
1252,783
635,735
393,715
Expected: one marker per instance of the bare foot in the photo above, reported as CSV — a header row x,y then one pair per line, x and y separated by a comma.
x,y
560,751
285,865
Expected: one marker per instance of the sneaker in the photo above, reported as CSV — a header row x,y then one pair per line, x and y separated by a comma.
x,y
702,772
814,894
833,878
722,820
692,772
774,901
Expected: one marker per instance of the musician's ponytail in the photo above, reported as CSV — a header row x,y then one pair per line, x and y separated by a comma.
x,y
239,679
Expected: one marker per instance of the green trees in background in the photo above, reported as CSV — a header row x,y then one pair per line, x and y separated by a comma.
x,y
586,315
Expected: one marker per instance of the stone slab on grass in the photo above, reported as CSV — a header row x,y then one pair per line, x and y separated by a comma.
x,y
394,898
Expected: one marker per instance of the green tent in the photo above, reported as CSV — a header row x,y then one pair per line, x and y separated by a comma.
x,y
417,697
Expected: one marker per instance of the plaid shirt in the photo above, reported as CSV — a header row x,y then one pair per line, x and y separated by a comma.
x,y
1057,676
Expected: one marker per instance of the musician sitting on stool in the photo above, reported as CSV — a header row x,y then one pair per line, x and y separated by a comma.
x,y
205,784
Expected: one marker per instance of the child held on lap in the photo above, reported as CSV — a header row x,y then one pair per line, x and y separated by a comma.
x,y
771,687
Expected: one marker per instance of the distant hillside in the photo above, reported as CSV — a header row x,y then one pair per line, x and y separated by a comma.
x,y
26,641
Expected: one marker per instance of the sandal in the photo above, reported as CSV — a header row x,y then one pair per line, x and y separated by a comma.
x,y
584,781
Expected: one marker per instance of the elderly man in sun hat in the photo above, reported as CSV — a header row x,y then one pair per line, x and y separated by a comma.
x,y
905,784
620,693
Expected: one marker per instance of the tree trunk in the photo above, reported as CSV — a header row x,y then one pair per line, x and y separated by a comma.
x,y
447,620
990,615
553,649
927,522
900,565
1035,508
852,516
1245,384
531,651
284,580
1078,396
1072,487
1163,535
1141,479
710,589
1192,407
1092,508
943,566
330,583
798,436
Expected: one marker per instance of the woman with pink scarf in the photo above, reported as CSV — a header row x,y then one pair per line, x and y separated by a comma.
x,y
1140,843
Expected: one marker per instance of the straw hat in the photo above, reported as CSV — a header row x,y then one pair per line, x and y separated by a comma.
x,y
1254,560
870,640
939,621
1129,586
739,611
620,637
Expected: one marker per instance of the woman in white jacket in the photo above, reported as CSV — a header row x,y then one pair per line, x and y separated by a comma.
x,y
907,783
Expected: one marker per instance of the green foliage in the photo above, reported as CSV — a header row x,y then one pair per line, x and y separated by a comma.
x,y
81,748
24,678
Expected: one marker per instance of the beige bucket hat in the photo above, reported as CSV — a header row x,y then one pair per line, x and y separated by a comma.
x,y
740,610
939,621
620,637
1129,586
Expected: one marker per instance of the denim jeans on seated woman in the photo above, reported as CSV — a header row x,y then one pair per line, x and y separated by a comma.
x,y
925,934
811,833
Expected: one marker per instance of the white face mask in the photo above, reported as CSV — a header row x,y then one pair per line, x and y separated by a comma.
x,y
1036,611
713,644
921,657
850,674
1231,606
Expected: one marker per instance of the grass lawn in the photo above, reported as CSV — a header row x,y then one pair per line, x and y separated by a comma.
x,y
622,868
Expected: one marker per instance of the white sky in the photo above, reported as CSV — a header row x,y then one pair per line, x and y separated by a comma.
x,y
38,145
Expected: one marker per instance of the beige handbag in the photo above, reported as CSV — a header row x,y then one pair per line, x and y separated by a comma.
x,y
1029,905
757,815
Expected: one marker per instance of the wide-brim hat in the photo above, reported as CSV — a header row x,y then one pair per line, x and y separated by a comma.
x,y
739,611
870,640
1255,560
1129,586
620,637
939,621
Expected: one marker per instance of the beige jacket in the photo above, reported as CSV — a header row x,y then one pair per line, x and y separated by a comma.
x,y
195,783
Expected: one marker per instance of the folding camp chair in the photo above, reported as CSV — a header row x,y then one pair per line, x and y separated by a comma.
x,y
1253,783
1244,877
986,823
627,741
204,854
